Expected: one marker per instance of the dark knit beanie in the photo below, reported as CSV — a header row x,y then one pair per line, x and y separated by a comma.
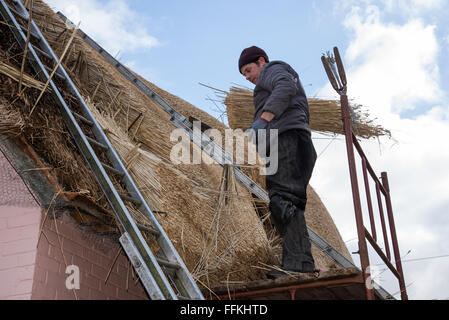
x,y
251,54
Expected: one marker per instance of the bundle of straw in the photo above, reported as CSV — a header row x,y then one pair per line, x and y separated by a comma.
x,y
14,73
325,115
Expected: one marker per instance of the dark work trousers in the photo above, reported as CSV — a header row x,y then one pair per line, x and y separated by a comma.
x,y
288,197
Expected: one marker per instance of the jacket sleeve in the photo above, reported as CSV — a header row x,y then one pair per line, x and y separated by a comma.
x,y
283,86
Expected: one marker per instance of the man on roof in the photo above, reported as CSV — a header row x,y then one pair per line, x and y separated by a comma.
x,y
281,103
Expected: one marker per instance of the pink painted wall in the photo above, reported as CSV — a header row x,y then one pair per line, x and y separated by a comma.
x,y
92,254
20,216
19,228
34,268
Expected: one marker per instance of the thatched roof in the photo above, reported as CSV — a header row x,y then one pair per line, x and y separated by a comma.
x,y
215,226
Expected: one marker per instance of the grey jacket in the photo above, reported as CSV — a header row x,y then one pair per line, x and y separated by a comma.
x,y
280,92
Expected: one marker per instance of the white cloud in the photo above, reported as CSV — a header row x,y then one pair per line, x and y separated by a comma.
x,y
112,24
408,8
391,68
394,65
412,6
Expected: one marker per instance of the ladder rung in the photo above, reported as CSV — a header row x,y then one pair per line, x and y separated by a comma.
x,y
73,97
98,144
25,30
86,121
168,264
113,170
17,13
148,229
130,199
50,70
42,52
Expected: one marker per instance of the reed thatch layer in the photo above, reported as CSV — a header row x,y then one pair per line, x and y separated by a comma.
x,y
325,115
210,218
227,234
44,130
139,163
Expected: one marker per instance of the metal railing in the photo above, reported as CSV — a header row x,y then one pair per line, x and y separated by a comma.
x,y
336,73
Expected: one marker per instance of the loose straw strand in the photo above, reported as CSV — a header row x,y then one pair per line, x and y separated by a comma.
x,y
57,66
25,53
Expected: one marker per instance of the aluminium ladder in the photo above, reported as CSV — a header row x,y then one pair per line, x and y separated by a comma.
x,y
203,141
165,277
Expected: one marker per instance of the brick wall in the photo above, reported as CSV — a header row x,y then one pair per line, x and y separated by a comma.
x,y
19,228
34,268
92,254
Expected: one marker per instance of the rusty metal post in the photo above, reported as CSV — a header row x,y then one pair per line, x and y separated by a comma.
x,y
292,294
363,249
382,220
368,200
394,238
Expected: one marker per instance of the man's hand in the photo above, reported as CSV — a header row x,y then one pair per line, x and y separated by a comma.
x,y
259,124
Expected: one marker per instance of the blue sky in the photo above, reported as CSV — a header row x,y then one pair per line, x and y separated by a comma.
x,y
395,52
204,41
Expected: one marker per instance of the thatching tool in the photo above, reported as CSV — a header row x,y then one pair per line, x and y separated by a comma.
x,y
337,76
337,79
149,267
206,144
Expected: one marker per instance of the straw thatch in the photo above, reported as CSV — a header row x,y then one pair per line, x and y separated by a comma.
x,y
212,220
10,120
325,115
